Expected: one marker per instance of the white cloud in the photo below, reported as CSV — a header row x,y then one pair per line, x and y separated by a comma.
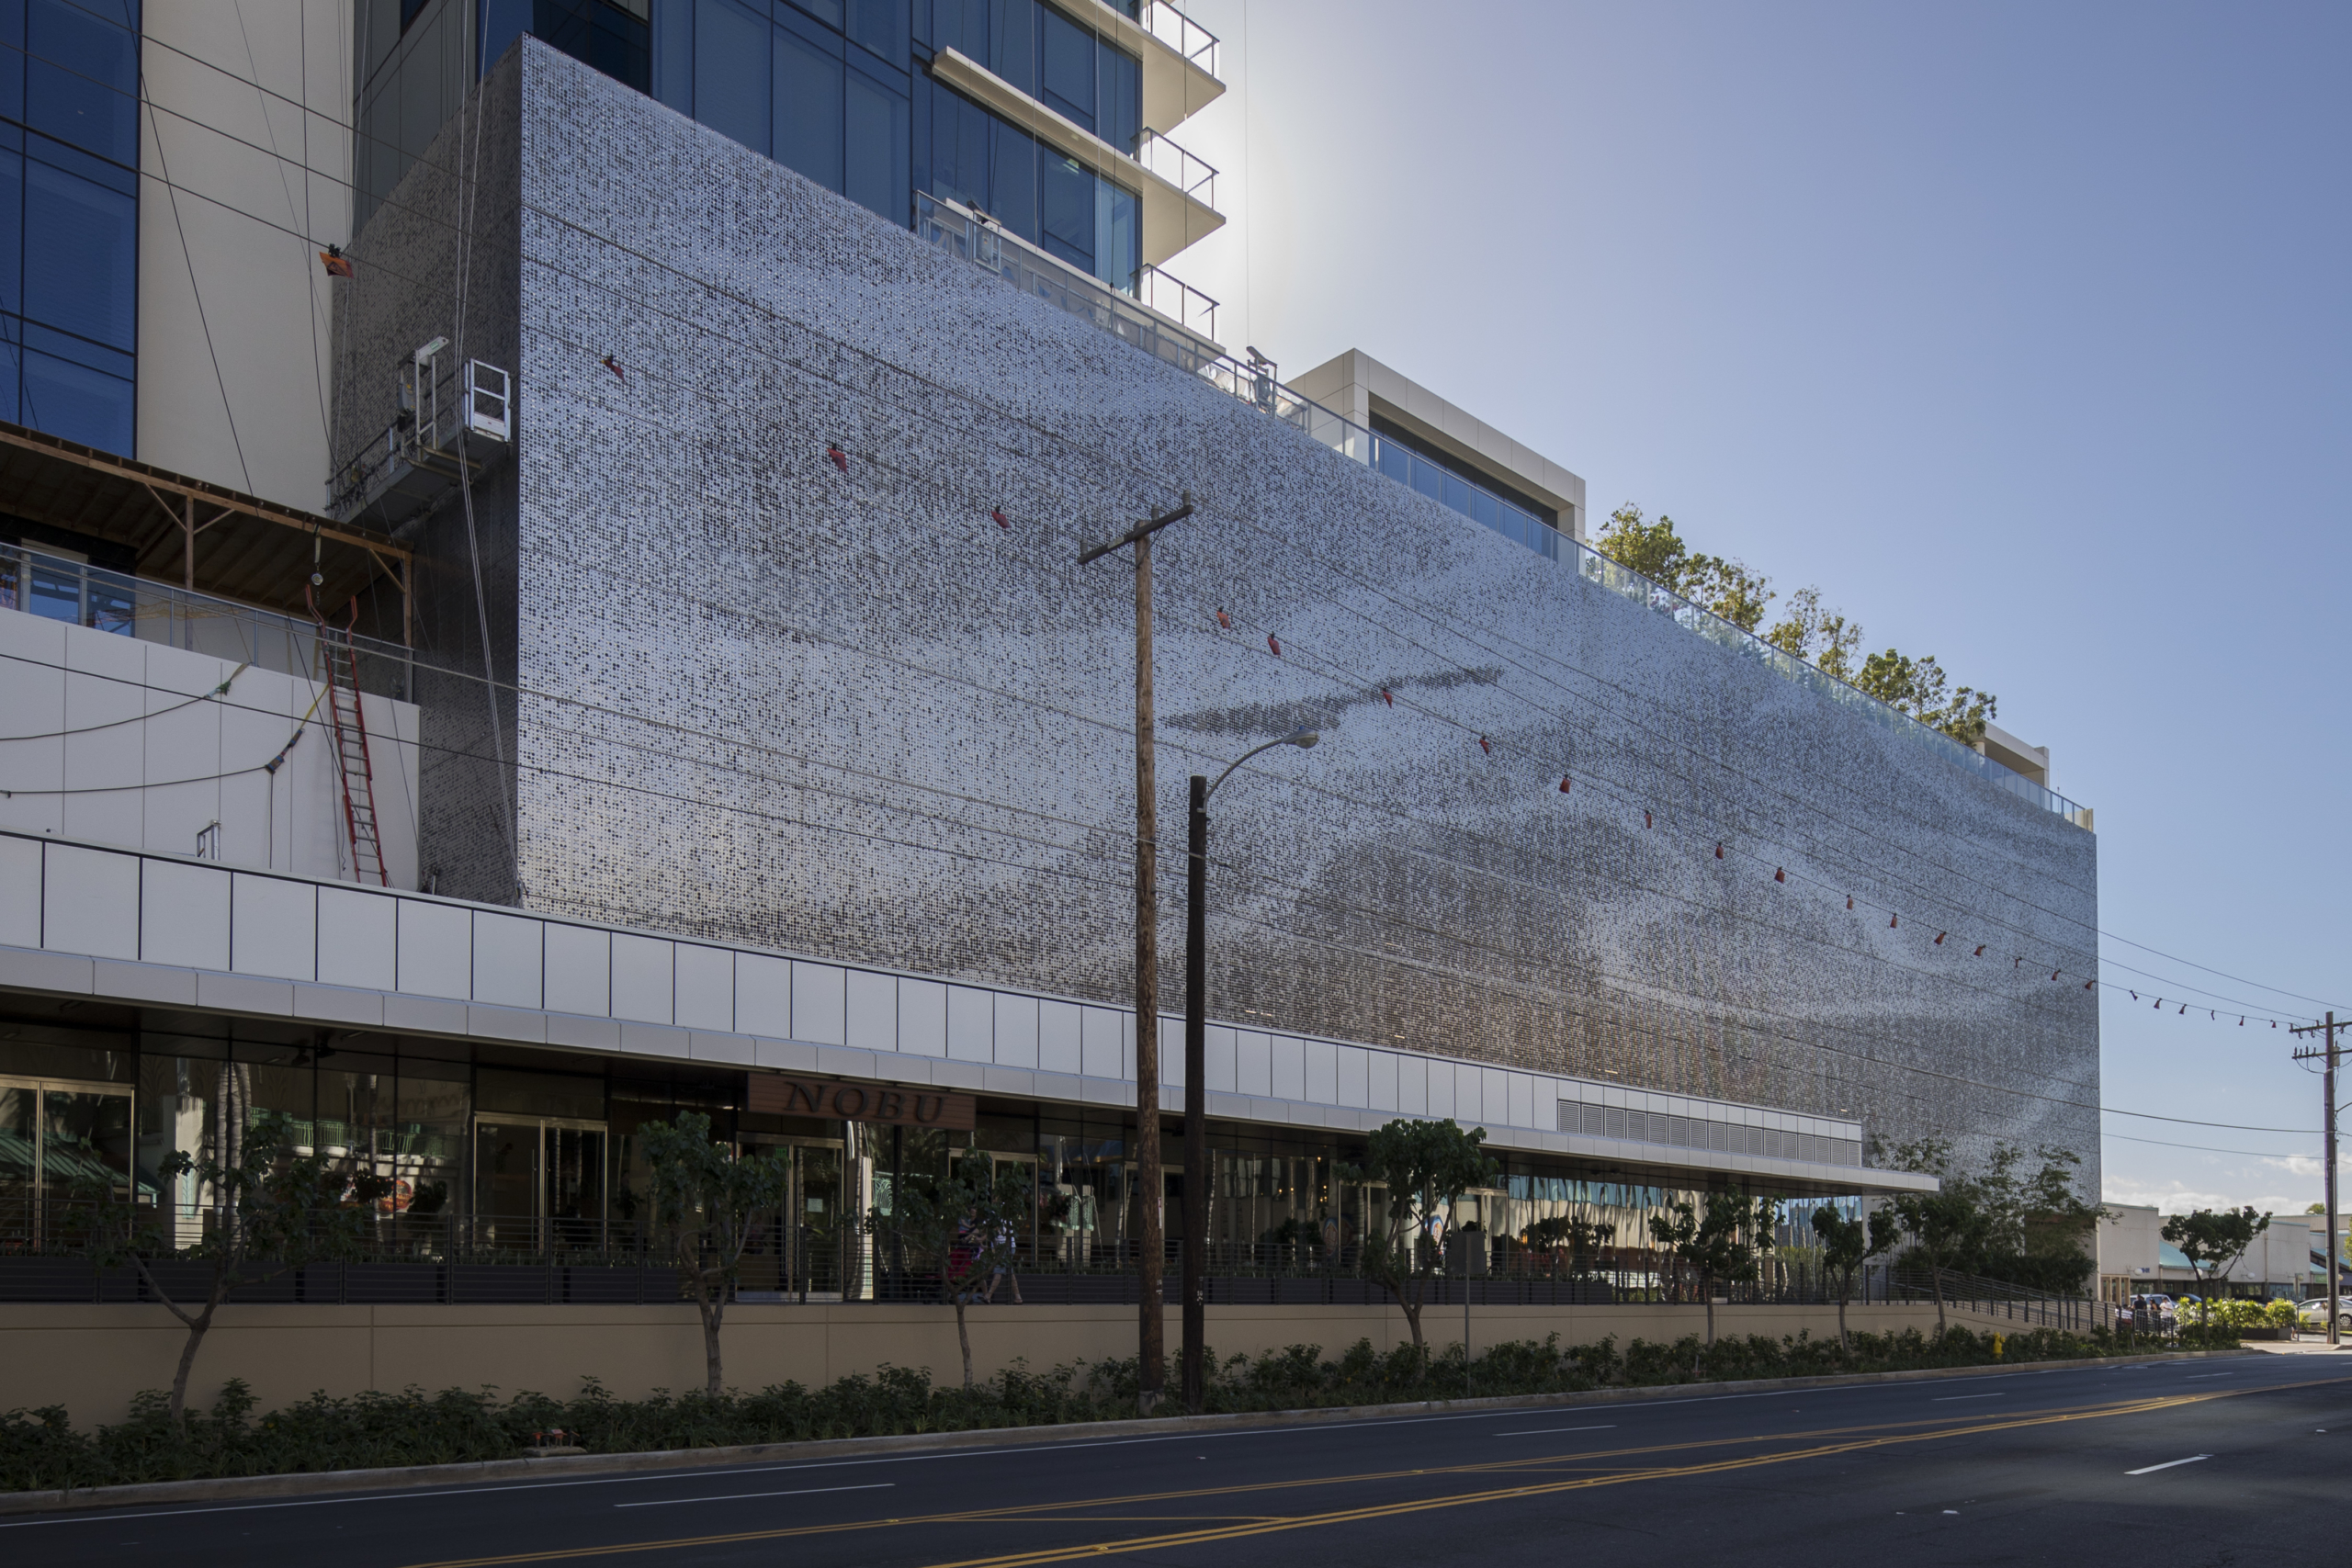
x,y
2175,1198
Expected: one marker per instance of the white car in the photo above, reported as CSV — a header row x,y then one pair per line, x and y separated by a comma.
x,y
2312,1313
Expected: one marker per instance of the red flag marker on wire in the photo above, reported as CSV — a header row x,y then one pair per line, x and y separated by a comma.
x,y
1275,643
998,513
1484,747
839,458
1780,874
1224,621
2053,974
1719,849
1849,900
1939,937
1564,784
1646,820
1979,953
1893,920
1386,698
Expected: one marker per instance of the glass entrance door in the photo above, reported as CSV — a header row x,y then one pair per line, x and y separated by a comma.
x,y
56,1137
539,1184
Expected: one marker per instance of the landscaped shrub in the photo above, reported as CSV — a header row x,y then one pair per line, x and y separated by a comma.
x,y
39,1449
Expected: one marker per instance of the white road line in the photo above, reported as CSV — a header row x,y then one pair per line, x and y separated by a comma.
x,y
1542,1431
1949,1398
737,1496
2151,1470
2194,1376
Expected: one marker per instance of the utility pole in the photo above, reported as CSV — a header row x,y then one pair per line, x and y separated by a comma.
x,y
1152,1243
2327,1055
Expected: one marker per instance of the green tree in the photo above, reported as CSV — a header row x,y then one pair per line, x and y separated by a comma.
x,y
1580,1239
707,1203
2213,1240
271,1208
1846,1245
1920,688
1948,1227
1825,637
1722,1240
1426,1167
1713,583
956,1224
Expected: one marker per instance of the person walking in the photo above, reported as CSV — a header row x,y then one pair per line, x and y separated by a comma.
x,y
1004,1247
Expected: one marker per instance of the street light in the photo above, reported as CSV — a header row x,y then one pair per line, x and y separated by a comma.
x,y
1196,1116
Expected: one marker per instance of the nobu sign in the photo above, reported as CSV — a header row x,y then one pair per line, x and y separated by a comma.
x,y
887,1103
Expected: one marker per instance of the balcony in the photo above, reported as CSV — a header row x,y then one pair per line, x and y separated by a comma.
x,y
1179,55
1171,322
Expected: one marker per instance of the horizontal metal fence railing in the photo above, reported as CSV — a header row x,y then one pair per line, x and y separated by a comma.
x,y
78,593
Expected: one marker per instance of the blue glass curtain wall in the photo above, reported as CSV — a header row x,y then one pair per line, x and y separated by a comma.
x,y
1050,200
824,89
614,36
836,90
69,218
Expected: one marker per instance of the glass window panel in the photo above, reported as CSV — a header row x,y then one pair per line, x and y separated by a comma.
x,y
77,403
112,607
12,365
959,155
12,60
1118,236
1066,56
1457,493
1487,509
82,78
1066,209
506,1184
875,157
19,1145
1428,478
826,11
808,109
599,34
732,72
962,26
673,55
84,1136
880,25
575,1158
1392,459
1014,52
12,229
1014,183
82,277
504,21
1119,97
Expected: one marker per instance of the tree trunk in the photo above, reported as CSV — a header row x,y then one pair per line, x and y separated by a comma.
x,y
1935,1274
1845,1349
198,1326
711,1297
964,1338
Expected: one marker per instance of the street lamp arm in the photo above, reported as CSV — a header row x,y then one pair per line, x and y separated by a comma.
x,y
1301,739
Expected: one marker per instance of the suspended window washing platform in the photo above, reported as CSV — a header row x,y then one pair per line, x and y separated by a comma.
x,y
454,422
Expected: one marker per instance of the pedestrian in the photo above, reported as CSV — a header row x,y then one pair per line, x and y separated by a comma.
x,y
959,1260
1003,1249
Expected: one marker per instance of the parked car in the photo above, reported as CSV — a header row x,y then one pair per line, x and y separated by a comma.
x,y
2312,1313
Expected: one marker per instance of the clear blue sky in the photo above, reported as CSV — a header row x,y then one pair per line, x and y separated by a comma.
x,y
2019,330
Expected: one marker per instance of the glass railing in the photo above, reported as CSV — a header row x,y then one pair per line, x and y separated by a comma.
x,y
958,233
84,596
1178,32
1178,168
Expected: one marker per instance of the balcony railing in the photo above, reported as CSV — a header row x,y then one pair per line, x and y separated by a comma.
x,y
1169,337
84,596
1181,33
1174,297
1163,157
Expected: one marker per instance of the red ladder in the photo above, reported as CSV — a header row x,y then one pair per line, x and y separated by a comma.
x,y
353,765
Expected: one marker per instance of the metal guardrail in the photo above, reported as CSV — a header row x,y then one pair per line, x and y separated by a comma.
x,y
80,594
1193,176
1181,33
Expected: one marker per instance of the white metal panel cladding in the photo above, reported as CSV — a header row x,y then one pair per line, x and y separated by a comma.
x,y
437,944
183,915
870,1015
507,957
817,1003
358,939
762,995
579,970
643,975
922,1017
971,1025
90,902
1060,1027
705,994
1016,1030
20,892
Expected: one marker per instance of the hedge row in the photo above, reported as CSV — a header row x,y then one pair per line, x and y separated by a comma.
x,y
41,1449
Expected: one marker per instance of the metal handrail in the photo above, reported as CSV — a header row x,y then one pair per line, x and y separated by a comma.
x,y
1196,176
1191,39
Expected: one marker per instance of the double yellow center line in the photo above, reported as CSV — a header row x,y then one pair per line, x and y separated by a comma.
x,y
1814,1445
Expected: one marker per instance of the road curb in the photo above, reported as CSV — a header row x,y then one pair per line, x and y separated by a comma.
x,y
310,1483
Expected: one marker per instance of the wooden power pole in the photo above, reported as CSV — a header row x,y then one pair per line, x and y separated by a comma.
x,y
2326,1055
1152,1243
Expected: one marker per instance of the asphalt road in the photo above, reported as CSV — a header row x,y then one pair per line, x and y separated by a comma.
x,y
2240,1462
